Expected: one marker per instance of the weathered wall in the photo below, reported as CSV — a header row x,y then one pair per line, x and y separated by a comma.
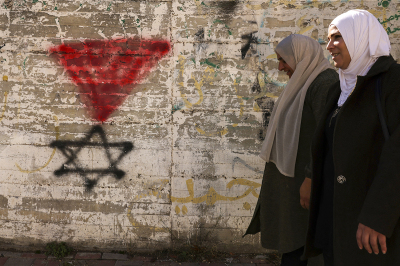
x,y
174,158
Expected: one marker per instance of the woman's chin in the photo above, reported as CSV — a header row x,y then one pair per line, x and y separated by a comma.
x,y
337,64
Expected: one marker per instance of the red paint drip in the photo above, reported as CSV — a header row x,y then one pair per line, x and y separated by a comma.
x,y
106,71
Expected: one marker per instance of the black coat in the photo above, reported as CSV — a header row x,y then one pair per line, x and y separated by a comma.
x,y
278,214
369,167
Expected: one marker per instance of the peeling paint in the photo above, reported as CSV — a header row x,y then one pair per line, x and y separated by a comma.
x,y
196,116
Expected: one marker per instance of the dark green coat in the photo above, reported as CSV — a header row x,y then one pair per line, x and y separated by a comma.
x,y
370,193
278,214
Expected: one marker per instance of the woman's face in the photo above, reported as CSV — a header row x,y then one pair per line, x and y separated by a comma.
x,y
283,66
337,48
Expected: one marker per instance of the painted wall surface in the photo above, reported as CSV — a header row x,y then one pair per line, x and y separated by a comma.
x,y
137,124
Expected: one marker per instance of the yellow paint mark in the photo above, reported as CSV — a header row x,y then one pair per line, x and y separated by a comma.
x,y
246,206
254,7
271,56
4,105
210,134
51,156
281,2
261,82
184,210
177,210
305,29
208,77
197,84
187,103
264,92
212,196
182,61
137,226
378,13
256,108
5,78
235,84
299,21
134,222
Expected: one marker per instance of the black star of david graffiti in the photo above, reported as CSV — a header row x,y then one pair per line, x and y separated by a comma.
x,y
71,149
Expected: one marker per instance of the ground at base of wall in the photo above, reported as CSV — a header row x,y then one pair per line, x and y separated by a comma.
x,y
165,257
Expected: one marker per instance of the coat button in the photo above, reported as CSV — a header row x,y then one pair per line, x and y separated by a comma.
x,y
341,179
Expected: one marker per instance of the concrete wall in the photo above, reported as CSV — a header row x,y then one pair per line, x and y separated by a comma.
x,y
174,158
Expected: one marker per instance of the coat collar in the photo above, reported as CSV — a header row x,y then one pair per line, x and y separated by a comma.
x,y
381,65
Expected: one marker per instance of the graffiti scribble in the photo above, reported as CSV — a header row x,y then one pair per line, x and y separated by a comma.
x,y
71,149
4,106
251,38
57,129
239,160
107,70
213,196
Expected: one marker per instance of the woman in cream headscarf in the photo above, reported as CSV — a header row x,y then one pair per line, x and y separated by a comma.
x,y
355,200
278,214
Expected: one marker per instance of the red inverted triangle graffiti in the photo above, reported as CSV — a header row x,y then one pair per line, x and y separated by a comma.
x,y
106,71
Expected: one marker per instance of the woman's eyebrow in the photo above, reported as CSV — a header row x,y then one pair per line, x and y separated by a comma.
x,y
333,34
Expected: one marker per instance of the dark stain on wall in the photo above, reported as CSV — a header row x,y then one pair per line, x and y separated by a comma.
x,y
225,9
8,4
266,105
250,38
71,150
200,34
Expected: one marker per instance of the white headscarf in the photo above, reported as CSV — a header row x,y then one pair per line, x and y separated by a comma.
x,y
305,56
366,40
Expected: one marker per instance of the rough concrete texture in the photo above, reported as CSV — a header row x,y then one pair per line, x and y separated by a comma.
x,y
114,141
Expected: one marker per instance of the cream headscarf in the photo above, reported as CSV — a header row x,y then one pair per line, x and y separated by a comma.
x,y
305,56
366,40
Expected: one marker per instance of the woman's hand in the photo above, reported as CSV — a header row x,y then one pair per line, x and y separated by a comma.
x,y
366,236
305,192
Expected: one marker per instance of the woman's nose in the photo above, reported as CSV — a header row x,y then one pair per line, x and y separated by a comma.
x,y
329,45
280,67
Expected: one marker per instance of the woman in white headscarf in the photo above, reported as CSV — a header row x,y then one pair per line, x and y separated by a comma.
x,y
279,215
355,199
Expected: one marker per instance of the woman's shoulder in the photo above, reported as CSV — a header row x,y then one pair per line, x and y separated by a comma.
x,y
392,76
394,70
321,84
327,76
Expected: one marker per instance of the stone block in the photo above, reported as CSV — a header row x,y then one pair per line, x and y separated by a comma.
x,y
87,256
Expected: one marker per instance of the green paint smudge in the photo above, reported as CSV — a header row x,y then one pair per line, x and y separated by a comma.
x,y
177,107
209,63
